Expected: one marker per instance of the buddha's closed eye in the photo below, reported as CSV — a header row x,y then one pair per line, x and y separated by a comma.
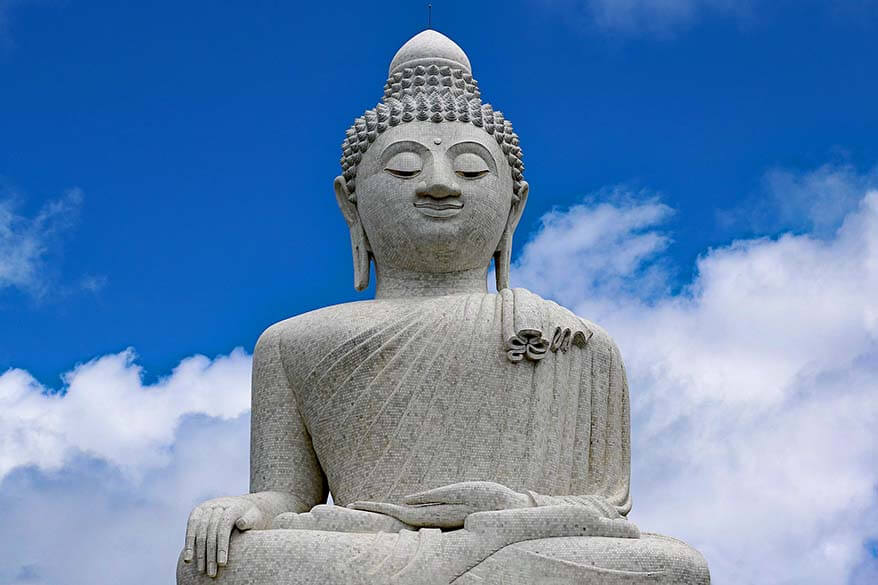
x,y
470,166
404,165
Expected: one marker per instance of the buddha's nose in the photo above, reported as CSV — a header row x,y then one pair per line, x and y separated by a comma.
x,y
439,186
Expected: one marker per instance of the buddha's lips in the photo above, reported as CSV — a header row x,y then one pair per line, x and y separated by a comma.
x,y
439,209
439,206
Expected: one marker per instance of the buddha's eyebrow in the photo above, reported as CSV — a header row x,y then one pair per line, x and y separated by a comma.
x,y
399,144
486,153
462,142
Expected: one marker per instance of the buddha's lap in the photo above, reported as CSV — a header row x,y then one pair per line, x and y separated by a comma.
x,y
653,559
288,557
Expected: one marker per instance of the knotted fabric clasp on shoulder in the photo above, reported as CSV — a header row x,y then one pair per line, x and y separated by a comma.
x,y
526,316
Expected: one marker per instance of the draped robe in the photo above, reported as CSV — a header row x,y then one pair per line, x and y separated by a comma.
x,y
429,397
387,398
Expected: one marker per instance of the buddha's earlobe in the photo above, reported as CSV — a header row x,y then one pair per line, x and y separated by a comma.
x,y
503,255
359,243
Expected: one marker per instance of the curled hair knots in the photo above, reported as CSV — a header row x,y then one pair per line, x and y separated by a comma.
x,y
438,94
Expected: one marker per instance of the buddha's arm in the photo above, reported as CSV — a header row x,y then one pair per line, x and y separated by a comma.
x,y
605,488
284,470
284,473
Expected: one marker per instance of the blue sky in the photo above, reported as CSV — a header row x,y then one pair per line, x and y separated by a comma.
x,y
205,141
165,185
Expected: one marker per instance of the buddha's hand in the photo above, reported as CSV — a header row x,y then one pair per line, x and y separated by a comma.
x,y
338,519
210,527
448,506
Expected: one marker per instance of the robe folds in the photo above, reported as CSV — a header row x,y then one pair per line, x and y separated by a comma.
x,y
430,395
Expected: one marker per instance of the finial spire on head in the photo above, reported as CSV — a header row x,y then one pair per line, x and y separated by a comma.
x,y
429,48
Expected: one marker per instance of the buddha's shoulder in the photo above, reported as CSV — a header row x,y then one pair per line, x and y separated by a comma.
x,y
328,322
303,339
598,337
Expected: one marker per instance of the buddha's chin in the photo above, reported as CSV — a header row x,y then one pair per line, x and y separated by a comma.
x,y
446,235
437,244
440,213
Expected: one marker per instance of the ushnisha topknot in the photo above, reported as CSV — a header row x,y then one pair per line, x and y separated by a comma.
x,y
430,78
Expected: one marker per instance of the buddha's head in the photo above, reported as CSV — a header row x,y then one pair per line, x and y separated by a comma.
x,y
432,177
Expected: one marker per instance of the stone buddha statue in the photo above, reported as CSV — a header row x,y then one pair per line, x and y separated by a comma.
x,y
467,437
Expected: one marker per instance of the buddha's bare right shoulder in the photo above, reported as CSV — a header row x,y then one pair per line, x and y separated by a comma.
x,y
301,341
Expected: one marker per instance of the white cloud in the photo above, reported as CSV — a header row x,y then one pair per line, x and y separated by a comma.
x,y
97,478
87,523
622,227
26,242
105,410
754,391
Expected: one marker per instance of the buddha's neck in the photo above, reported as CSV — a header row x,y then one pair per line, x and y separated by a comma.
x,y
395,283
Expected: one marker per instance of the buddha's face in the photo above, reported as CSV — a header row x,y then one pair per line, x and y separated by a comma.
x,y
434,197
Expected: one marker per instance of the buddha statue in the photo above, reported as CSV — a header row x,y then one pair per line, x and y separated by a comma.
x,y
466,437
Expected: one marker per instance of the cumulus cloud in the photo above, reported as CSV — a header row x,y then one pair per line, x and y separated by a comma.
x,y
98,477
105,411
623,225
753,391
25,242
90,523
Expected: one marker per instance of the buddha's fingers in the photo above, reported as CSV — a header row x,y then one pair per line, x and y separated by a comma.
x,y
201,540
251,518
224,533
191,530
212,527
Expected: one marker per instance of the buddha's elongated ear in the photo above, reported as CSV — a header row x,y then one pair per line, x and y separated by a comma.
x,y
503,255
359,243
